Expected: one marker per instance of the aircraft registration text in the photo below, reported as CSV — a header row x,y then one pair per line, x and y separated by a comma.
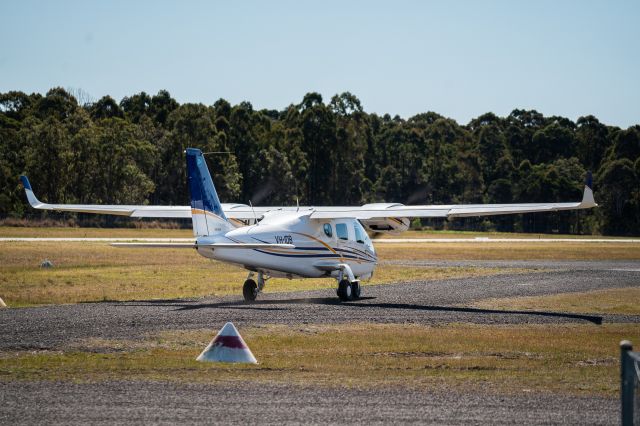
x,y
283,239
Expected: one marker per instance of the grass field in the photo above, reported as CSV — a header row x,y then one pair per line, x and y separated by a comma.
x,y
44,232
475,234
86,272
509,251
96,271
575,359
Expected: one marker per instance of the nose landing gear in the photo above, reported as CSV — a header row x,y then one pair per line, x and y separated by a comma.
x,y
348,290
251,289
349,286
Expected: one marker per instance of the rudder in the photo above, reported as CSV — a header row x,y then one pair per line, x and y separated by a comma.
x,y
206,210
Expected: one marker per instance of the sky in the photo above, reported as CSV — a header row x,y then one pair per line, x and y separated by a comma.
x,y
457,58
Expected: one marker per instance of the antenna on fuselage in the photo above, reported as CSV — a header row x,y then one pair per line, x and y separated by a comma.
x,y
255,216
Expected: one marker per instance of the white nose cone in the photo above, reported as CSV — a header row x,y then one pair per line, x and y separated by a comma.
x,y
227,346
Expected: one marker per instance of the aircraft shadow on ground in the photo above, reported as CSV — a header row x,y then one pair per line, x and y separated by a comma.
x,y
269,305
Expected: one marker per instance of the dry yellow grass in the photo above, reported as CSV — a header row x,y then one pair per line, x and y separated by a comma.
x,y
611,301
577,359
53,232
509,251
97,271
85,272
474,234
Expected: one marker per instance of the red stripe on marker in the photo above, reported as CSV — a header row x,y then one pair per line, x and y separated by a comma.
x,y
234,342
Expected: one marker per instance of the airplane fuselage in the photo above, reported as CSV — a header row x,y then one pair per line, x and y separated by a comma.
x,y
317,244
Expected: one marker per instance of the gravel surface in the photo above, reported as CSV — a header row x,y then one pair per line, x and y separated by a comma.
x,y
168,403
422,302
426,302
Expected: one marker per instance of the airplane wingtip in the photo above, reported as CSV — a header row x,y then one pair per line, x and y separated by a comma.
x,y
25,182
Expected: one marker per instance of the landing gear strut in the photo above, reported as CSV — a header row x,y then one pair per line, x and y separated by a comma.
x,y
348,285
251,289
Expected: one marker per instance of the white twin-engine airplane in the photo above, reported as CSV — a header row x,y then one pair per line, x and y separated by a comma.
x,y
307,242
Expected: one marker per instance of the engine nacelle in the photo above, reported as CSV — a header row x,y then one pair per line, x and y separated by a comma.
x,y
389,225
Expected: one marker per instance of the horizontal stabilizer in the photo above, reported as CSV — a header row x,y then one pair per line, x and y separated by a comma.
x,y
154,245
211,245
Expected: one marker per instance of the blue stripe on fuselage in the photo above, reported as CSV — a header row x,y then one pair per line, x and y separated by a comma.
x,y
352,253
331,255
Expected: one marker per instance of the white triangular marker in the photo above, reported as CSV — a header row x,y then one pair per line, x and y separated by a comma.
x,y
227,346
2,304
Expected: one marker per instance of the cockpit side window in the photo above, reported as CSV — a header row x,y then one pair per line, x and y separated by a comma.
x,y
328,231
341,231
361,235
359,232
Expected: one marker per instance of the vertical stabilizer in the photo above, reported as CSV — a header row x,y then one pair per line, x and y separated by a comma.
x,y
206,211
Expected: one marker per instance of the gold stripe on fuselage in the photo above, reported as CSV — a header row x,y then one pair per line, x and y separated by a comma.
x,y
205,212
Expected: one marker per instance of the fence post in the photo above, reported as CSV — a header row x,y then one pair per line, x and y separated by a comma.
x,y
626,383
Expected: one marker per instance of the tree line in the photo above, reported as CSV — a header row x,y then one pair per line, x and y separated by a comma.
x,y
317,152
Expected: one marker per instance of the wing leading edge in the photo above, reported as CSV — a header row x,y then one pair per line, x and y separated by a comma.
x,y
453,211
366,212
120,210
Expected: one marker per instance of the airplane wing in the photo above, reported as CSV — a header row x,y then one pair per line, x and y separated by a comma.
x,y
381,211
232,211
368,213
396,210
120,210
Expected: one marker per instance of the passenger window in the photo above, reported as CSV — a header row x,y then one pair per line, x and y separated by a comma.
x,y
359,232
341,231
327,230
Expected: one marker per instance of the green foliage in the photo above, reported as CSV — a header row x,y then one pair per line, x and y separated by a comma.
x,y
621,196
319,153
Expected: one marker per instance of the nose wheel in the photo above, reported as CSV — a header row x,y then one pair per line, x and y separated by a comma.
x,y
348,290
348,285
251,289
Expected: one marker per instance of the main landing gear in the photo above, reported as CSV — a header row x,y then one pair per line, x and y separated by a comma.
x,y
250,289
348,286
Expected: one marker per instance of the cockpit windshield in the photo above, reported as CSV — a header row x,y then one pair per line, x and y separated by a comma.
x,y
361,236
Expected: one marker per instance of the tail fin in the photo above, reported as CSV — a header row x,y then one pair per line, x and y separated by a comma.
x,y
206,211
31,197
587,196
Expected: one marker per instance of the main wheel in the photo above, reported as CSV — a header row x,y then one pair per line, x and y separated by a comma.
x,y
355,289
250,290
345,291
